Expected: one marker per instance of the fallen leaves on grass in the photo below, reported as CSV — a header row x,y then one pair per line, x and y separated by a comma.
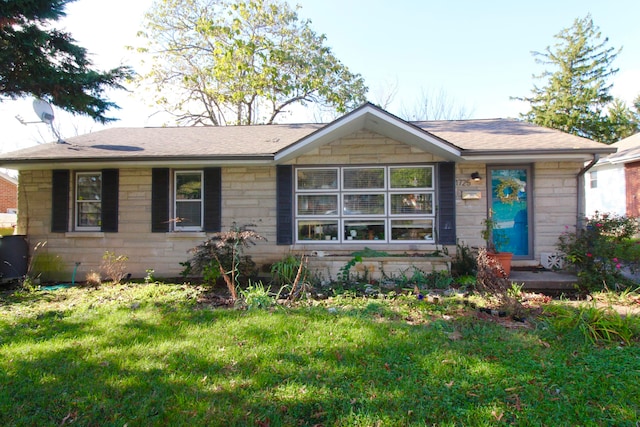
x,y
454,336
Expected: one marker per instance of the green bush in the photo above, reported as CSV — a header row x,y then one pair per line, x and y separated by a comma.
x,y
284,272
6,231
222,255
594,324
600,250
465,261
257,296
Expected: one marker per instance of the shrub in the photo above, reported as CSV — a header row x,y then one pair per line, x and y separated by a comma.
x,y
464,263
344,275
600,250
114,266
492,283
45,266
222,256
439,279
594,324
93,279
284,272
257,296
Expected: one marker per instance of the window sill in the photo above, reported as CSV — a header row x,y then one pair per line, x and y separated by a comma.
x,y
185,234
80,234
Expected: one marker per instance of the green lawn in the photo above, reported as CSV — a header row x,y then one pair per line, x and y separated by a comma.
x,y
141,355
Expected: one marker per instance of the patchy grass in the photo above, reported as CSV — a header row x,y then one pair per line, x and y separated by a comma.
x,y
158,355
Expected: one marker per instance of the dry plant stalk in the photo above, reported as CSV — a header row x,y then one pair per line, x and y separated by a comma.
x,y
492,282
114,267
93,279
233,241
294,287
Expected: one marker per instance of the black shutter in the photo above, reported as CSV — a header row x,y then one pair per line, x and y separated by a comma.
x,y
110,188
447,203
59,201
160,200
212,199
284,202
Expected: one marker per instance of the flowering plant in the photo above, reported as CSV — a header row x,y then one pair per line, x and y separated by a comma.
x,y
601,249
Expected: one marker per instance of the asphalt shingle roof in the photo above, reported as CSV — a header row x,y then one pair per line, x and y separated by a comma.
x,y
261,142
628,150
504,134
172,142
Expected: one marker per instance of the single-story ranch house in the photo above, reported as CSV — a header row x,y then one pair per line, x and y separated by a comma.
x,y
366,180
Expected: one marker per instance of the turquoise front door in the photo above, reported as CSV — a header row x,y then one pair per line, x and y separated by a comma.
x,y
509,203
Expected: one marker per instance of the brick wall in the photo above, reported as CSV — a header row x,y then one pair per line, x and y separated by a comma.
x,y
632,179
8,195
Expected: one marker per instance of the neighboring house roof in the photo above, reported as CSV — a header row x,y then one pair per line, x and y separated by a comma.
x,y
458,140
628,151
8,178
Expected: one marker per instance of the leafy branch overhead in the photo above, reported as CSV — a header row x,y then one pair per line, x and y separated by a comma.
x,y
220,62
38,60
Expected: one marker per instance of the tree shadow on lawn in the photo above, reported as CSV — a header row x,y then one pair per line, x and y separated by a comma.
x,y
164,365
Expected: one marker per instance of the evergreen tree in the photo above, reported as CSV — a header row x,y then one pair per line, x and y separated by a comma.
x,y
576,95
38,60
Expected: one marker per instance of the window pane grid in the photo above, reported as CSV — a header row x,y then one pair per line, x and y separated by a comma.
x,y
363,204
411,203
88,201
313,204
363,179
317,179
351,204
188,203
411,177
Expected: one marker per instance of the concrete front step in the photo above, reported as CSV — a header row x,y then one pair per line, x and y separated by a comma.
x,y
544,280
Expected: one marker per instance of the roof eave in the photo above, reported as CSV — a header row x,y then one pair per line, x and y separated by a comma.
x,y
533,155
135,162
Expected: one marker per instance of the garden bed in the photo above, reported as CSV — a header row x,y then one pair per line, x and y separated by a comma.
x,y
375,268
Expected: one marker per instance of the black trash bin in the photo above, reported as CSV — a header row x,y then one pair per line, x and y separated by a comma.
x,y
14,253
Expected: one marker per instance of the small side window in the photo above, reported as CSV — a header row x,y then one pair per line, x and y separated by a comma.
x,y
88,201
593,179
188,200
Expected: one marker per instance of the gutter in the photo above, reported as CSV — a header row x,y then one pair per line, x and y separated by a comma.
x,y
580,208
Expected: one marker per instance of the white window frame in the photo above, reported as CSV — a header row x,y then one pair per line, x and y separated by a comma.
x,y
177,224
78,202
331,226
593,179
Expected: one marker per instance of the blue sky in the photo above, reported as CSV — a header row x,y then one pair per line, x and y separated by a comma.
x,y
477,53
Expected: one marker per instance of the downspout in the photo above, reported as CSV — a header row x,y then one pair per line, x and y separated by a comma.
x,y
581,191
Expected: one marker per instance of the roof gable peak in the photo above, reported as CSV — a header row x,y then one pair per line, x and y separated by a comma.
x,y
372,118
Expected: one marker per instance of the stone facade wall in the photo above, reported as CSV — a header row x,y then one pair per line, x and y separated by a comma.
x,y
249,197
554,204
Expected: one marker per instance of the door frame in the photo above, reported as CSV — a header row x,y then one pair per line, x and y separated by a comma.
x,y
528,167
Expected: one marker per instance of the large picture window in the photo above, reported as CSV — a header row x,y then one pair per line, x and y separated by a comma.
x,y
375,203
188,206
88,201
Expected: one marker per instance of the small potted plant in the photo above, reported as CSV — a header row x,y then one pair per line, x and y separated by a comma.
x,y
496,239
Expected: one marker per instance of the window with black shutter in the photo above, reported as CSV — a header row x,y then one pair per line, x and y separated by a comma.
x,y
95,201
186,200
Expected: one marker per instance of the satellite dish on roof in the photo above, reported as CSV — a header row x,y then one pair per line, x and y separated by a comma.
x,y
45,114
43,110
